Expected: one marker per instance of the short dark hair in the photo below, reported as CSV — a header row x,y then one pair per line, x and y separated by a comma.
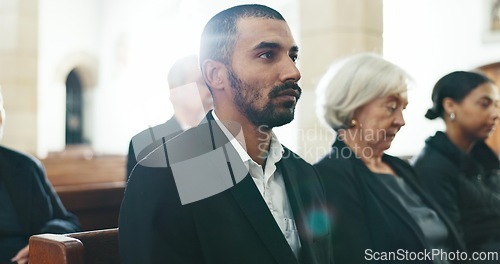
x,y
456,86
219,35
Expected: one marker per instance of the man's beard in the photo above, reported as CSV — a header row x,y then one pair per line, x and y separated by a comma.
x,y
269,116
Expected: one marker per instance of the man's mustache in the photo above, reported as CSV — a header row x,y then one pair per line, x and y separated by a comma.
x,y
275,92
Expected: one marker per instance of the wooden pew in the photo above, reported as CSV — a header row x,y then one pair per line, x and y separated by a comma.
x,y
71,170
90,186
96,205
93,247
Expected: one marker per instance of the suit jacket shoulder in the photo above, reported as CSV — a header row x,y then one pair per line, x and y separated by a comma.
x,y
12,158
39,208
193,201
148,140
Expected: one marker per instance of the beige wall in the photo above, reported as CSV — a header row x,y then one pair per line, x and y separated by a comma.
x,y
18,72
429,48
330,29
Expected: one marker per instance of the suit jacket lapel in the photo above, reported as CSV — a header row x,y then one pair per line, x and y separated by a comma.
x,y
253,206
249,198
293,192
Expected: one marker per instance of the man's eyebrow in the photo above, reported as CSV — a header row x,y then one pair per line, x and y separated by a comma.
x,y
274,45
267,45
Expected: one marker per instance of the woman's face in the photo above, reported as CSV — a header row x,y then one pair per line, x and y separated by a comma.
x,y
379,121
477,113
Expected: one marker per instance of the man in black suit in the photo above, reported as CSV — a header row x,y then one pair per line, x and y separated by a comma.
x,y
227,191
28,204
186,86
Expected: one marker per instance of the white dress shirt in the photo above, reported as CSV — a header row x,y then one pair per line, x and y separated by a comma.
x,y
270,183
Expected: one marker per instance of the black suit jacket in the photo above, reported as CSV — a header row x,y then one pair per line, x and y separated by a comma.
x,y
149,139
367,215
37,205
232,226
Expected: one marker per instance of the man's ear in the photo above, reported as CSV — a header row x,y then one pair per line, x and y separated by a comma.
x,y
215,74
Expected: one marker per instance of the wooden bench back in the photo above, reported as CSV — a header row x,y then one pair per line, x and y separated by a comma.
x,y
63,171
96,205
90,186
92,247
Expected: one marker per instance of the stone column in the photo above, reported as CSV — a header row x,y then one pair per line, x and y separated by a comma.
x,y
330,30
18,72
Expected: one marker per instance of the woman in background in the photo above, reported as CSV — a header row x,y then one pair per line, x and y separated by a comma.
x,y
377,202
459,169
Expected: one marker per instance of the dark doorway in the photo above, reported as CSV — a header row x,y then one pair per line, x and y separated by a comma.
x,y
74,110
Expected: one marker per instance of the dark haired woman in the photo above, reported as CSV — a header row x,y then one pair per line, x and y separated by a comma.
x,y
459,169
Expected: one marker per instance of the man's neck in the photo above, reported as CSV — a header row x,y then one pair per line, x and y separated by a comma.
x,y
258,143
257,139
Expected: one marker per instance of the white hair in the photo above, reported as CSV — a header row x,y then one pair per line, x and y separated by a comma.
x,y
353,82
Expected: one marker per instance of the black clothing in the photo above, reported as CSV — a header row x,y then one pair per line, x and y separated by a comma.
x,y
148,140
466,187
368,217
234,225
35,203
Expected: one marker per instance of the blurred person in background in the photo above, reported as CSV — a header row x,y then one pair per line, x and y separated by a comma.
x,y
459,169
186,85
28,203
377,201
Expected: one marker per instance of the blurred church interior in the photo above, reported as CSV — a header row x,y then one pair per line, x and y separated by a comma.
x,y
80,77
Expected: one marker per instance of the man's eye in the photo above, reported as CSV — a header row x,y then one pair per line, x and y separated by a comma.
x,y
267,55
294,57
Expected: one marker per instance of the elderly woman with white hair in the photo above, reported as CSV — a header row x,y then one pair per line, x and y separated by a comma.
x,y
380,210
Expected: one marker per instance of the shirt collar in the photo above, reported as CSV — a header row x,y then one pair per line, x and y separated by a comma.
x,y
275,151
237,142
